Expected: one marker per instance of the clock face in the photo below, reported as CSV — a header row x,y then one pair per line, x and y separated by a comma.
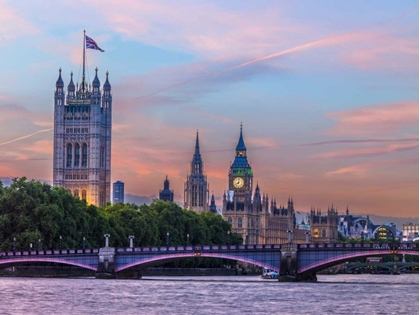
x,y
238,182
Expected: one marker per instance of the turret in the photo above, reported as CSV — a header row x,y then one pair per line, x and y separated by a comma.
x,y
197,162
71,88
96,84
59,85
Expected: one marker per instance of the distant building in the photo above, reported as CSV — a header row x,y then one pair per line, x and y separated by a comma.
x,y
354,226
166,194
212,206
118,192
196,188
324,227
410,231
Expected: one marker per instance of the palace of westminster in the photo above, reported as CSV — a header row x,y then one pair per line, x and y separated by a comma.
x,y
82,165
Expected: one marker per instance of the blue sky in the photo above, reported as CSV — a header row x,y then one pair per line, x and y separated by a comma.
x,y
327,92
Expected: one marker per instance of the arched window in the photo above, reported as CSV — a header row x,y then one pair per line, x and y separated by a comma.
x,y
76,193
230,220
239,222
69,154
76,154
84,155
84,194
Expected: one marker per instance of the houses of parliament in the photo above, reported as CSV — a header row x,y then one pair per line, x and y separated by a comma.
x,y
82,165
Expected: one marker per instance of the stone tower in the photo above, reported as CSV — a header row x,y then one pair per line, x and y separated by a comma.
x,y
196,188
166,194
82,139
324,227
237,201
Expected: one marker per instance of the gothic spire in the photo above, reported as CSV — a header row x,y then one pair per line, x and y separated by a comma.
x,y
107,86
71,87
96,83
241,144
197,163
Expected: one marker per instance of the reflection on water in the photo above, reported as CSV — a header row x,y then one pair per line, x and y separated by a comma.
x,y
338,294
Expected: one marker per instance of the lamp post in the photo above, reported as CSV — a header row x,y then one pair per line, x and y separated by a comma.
x,y
14,245
362,236
188,239
30,246
228,241
107,239
246,238
289,237
60,243
131,237
84,243
39,244
167,239
307,233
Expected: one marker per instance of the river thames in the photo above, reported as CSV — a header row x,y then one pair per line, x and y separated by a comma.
x,y
332,294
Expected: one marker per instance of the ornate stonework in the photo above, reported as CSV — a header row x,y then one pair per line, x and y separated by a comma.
x,y
82,139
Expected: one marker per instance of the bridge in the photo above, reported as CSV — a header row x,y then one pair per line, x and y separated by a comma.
x,y
294,262
375,267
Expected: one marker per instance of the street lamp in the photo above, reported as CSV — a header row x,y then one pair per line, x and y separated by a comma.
x,y
289,237
188,239
307,233
131,237
107,239
60,243
84,243
14,245
39,244
167,239
30,246
246,238
362,236
228,241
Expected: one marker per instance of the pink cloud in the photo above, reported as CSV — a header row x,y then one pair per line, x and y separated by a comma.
x,y
376,119
361,152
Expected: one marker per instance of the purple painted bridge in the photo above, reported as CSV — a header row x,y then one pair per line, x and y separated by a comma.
x,y
292,261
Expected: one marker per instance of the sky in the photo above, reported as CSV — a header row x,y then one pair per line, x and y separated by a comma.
x,y
327,92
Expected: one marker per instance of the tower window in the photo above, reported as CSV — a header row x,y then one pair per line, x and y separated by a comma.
x,y
84,194
240,223
76,193
69,154
230,220
76,154
102,157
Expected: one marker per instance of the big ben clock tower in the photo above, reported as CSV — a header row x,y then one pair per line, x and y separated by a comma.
x,y
237,204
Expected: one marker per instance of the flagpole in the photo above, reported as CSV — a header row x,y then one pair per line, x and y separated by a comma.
x,y
84,47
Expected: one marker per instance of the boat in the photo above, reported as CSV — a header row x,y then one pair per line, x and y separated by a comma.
x,y
270,274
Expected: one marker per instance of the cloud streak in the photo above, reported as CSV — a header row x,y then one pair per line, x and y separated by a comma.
x,y
25,137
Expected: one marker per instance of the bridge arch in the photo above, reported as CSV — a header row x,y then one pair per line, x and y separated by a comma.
x,y
5,263
322,264
150,261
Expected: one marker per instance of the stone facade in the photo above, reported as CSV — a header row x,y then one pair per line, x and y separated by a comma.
x,y
82,139
324,227
196,192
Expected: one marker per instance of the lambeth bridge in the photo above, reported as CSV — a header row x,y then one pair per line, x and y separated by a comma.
x,y
294,262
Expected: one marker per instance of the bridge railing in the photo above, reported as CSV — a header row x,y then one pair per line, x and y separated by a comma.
x,y
196,248
402,246
5,255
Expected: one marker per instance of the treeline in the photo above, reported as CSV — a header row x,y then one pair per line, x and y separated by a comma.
x,y
31,211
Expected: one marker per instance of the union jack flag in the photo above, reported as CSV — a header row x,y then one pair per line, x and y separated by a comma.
x,y
90,43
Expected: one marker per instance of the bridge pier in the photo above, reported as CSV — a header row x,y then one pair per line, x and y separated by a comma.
x,y
106,263
289,265
288,262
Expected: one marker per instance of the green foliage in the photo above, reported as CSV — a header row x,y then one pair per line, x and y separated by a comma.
x,y
30,210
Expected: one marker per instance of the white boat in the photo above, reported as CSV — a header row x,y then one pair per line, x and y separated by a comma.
x,y
270,274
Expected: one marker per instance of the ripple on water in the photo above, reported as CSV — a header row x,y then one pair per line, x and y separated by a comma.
x,y
340,294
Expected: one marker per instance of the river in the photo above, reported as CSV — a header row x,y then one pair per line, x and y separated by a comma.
x,y
332,294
